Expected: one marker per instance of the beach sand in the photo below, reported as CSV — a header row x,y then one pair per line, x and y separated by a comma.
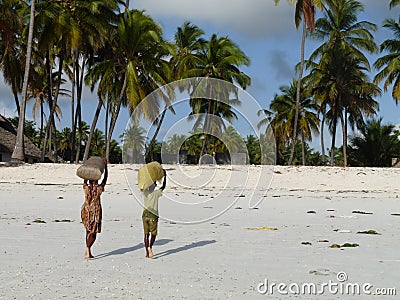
x,y
211,245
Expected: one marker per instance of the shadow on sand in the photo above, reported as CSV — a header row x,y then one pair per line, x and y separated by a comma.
x,y
131,249
183,248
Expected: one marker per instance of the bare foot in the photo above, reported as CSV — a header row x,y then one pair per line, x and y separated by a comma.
x,y
88,254
150,252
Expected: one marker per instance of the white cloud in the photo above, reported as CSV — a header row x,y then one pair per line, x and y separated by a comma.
x,y
255,18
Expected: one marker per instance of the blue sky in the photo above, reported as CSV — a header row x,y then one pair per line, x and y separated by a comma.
x,y
265,32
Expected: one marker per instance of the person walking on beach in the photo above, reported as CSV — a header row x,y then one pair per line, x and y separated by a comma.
x,y
150,214
91,213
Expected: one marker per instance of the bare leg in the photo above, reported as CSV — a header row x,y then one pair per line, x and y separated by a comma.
x,y
152,240
90,239
146,244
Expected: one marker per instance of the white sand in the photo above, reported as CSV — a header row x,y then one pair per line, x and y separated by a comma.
x,y
215,259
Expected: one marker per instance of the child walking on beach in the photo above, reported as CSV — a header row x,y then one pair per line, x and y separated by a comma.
x,y
91,212
150,214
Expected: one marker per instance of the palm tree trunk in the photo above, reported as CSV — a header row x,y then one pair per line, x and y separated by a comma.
x,y
114,117
106,119
344,131
79,85
49,140
60,66
19,149
55,146
73,112
296,116
303,154
333,140
41,123
206,128
53,106
17,103
50,103
79,124
92,128
322,136
153,139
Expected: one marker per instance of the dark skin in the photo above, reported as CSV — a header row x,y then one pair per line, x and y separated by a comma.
x,y
149,240
91,236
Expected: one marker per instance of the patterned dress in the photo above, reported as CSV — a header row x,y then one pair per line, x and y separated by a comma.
x,y
91,213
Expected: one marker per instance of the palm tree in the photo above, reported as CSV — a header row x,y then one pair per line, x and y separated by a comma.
x,y
193,144
12,58
341,85
218,58
232,140
76,29
305,8
93,127
38,91
175,142
187,42
376,144
253,149
115,153
97,143
136,65
64,142
388,64
341,66
284,108
19,150
133,140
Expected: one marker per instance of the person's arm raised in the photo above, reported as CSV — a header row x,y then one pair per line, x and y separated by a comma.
x,y
103,183
165,181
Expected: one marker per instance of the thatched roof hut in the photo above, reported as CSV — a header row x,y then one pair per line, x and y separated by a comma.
x,y
8,137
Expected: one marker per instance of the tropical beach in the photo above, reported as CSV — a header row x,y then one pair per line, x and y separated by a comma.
x,y
288,238
199,150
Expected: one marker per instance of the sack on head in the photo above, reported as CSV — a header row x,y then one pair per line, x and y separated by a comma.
x,y
91,169
148,174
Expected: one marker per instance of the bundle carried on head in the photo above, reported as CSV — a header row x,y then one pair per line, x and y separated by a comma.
x,y
91,169
148,174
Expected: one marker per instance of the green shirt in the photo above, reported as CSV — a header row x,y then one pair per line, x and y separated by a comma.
x,y
151,203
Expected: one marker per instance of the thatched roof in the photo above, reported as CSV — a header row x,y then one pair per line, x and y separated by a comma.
x,y
8,136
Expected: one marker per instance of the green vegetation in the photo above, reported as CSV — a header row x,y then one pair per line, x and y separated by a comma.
x,y
122,56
